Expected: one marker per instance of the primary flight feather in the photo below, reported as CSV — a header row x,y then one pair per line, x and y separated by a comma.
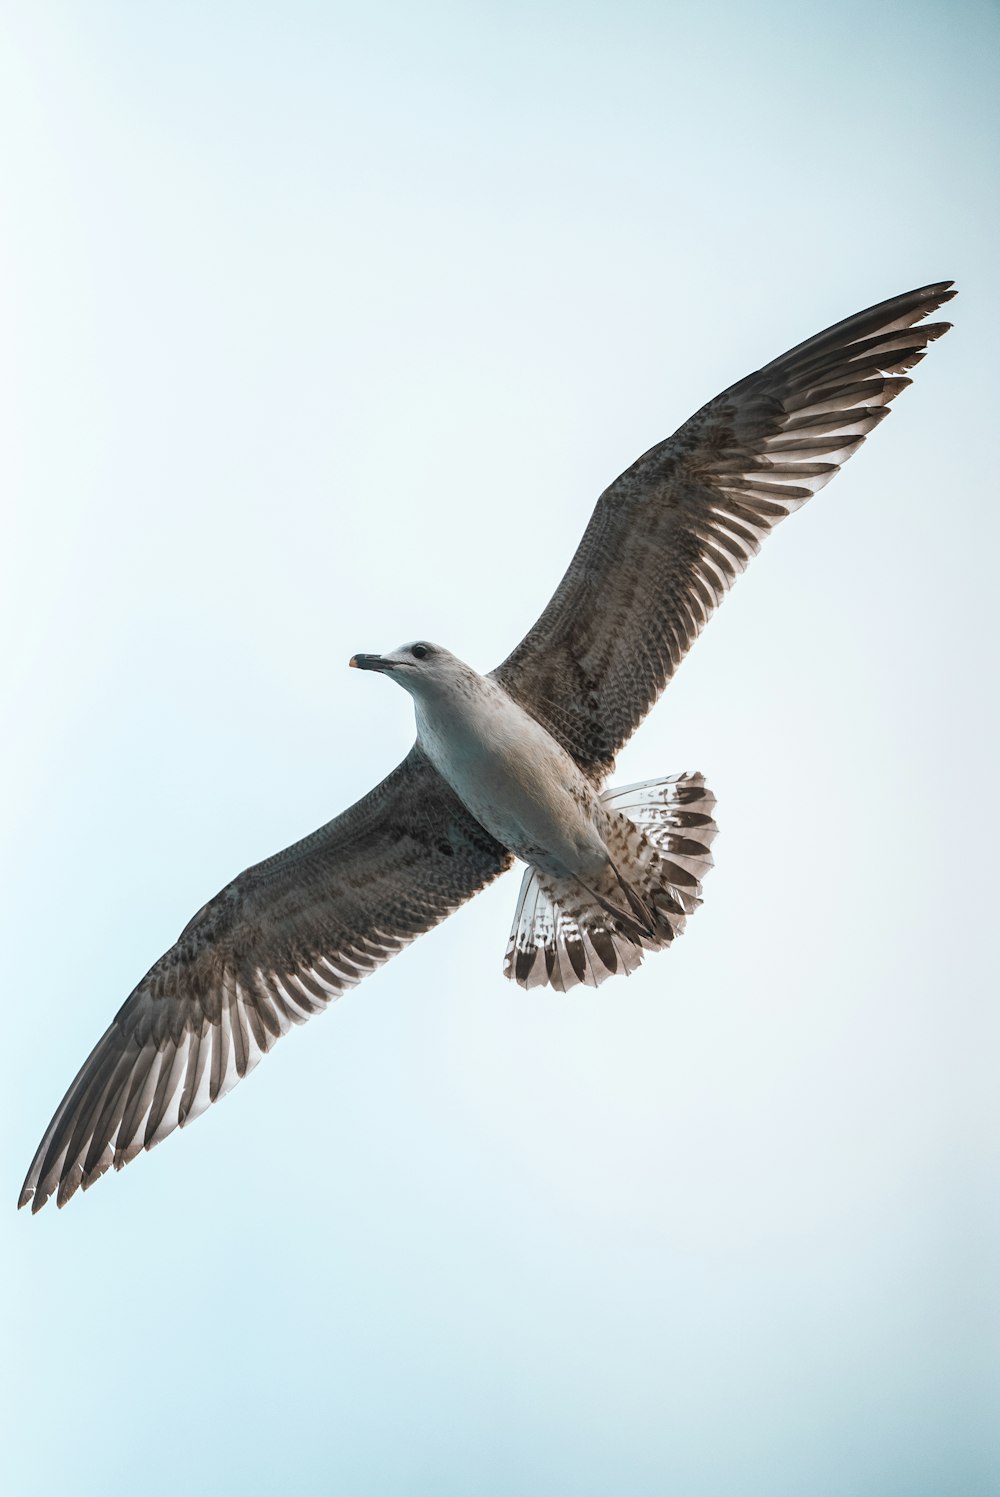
x,y
508,765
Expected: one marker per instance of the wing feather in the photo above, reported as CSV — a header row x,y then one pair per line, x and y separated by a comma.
x,y
272,949
671,534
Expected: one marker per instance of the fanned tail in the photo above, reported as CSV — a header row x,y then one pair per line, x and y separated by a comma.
x,y
661,836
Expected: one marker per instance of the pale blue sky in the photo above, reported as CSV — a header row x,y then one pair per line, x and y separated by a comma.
x,y
322,328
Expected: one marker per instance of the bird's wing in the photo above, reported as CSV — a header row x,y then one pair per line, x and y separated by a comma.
x,y
669,537
271,949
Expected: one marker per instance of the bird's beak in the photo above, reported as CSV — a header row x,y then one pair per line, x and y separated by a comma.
x,y
370,663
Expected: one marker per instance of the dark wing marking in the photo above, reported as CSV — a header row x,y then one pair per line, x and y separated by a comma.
x,y
669,536
271,949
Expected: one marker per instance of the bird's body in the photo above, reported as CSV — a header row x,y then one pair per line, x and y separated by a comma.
x,y
508,770
596,872
510,764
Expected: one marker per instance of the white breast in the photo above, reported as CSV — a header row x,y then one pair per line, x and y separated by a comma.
x,y
517,781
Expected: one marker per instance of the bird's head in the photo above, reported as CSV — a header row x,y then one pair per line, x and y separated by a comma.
x,y
421,668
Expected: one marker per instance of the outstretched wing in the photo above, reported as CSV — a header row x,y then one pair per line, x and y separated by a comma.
x,y
271,949
669,536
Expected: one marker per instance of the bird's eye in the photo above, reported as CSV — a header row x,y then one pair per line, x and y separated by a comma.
x,y
419,651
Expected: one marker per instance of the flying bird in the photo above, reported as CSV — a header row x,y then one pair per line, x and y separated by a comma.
x,y
509,765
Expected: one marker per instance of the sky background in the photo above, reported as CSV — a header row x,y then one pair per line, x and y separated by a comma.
x,y
323,326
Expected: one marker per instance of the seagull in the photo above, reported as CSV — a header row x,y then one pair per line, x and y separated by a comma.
x,y
510,765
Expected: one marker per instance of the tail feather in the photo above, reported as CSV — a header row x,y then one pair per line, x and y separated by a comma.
x,y
660,834
645,920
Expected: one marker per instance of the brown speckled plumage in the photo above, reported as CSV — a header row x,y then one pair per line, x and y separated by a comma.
x,y
668,538
663,545
662,832
271,949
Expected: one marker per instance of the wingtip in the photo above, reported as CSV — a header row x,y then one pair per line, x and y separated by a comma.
x,y
34,1197
68,1186
943,290
938,293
